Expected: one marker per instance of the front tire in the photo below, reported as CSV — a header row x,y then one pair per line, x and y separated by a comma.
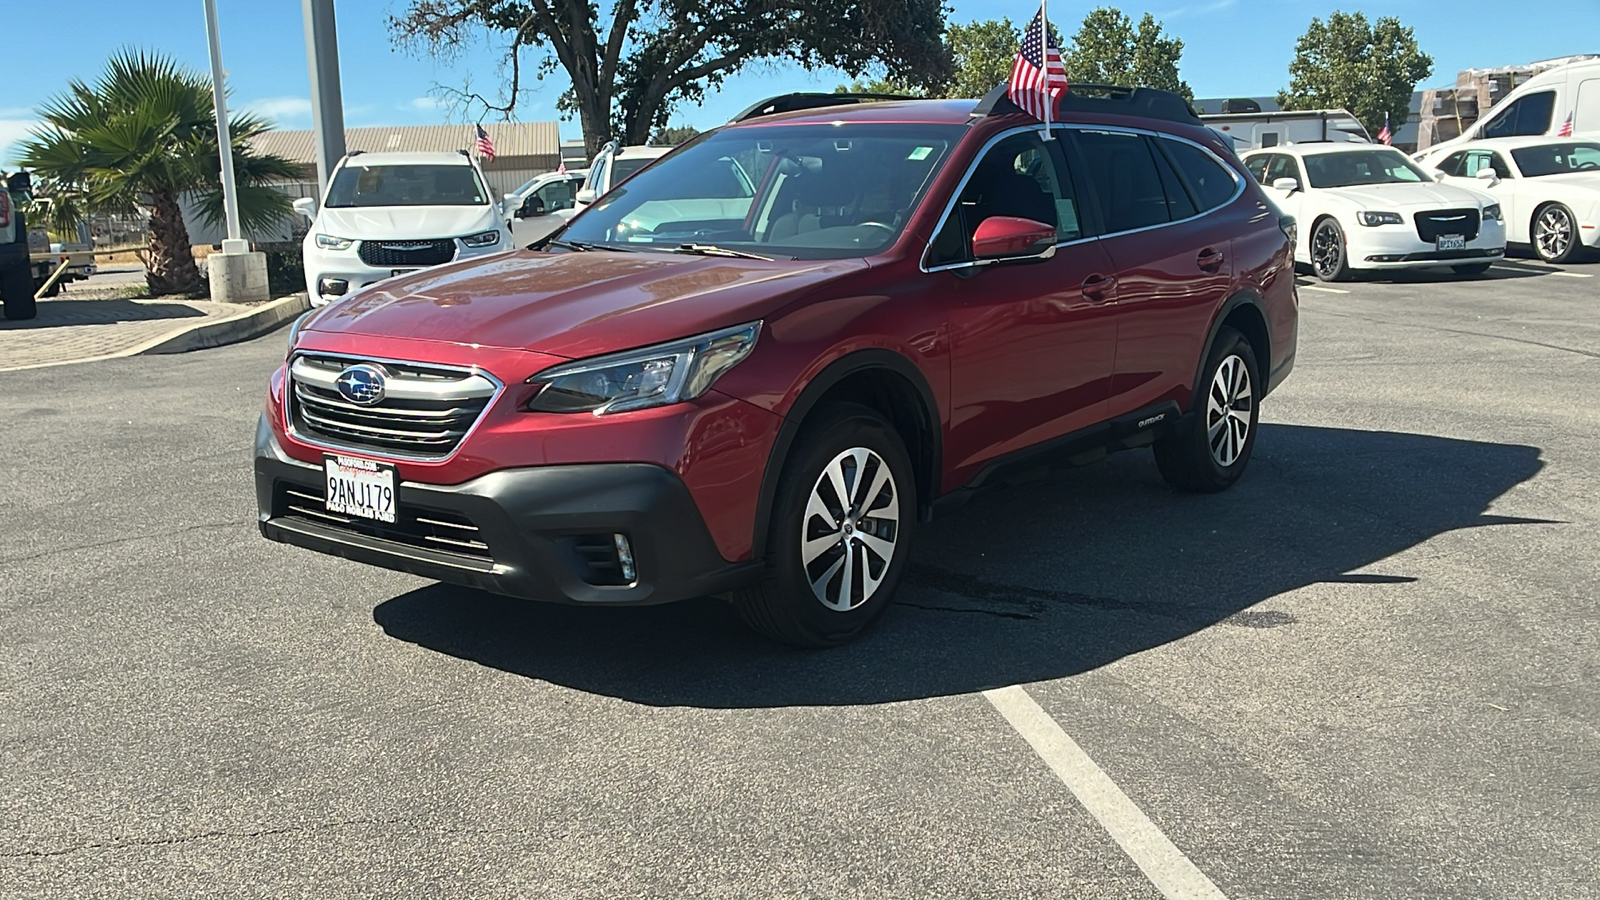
x,y
840,534
1555,233
1330,256
1211,446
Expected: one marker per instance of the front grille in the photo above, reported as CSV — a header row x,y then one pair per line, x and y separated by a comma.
x,y
425,411
1435,222
414,526
387,254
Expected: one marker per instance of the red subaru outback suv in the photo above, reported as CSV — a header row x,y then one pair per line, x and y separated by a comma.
x,y
754,367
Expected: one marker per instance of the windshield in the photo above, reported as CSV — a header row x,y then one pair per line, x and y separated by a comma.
x,y
1381,166
1557,159
800,191
422,185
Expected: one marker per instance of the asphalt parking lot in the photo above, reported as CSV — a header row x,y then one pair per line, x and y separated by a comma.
x,y
1370,671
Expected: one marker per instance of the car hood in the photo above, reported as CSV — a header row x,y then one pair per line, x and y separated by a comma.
x,y
391,223
1398,197
576,304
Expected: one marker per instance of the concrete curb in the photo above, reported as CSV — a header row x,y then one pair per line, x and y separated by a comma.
x,y
249,324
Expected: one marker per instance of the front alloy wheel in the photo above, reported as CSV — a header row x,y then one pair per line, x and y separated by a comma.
x,y
1553,234
840,534
852,522
1328,252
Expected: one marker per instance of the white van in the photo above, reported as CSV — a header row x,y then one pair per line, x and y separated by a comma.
x,y
1539,106
1258,130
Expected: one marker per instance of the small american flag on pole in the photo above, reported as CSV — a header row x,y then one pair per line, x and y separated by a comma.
x,y
1385,137
484,145
1566,127
1037,77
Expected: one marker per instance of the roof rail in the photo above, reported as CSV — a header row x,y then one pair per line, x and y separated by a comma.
x,y
815,100
1100,98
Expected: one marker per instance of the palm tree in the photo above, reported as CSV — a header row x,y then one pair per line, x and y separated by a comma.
x,y
139,139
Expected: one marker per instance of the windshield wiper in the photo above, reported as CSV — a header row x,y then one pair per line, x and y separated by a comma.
x,y
586,245
714,250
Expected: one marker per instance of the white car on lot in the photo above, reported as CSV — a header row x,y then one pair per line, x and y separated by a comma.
x,y
390,213
1548,187
611,166
1368,207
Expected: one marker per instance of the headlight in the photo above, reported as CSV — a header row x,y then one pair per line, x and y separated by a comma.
x,y
1491,213
482,239
639,379
329,242
1379,218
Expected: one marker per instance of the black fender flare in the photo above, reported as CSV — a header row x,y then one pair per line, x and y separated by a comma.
x,y
813,393
1244,297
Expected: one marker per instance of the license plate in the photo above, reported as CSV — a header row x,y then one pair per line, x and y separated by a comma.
x,y
359,487
1452,242
394,272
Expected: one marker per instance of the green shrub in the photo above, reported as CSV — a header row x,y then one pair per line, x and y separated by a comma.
x,y
286,267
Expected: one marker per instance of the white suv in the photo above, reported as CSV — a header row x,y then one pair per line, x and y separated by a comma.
x,y
390,213
611,166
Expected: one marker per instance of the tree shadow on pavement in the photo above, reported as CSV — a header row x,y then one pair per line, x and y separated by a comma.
x,y
56,313
1025,583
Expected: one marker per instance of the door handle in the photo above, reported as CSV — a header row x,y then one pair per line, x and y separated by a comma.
x,y
1209,260
1099,287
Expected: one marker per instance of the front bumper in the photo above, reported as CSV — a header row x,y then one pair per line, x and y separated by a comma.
x,y
543,527
1398,247
347,266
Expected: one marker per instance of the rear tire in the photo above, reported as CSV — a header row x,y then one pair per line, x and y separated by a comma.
x,y
835,557
1555,234
16,289
1210,447
1472,270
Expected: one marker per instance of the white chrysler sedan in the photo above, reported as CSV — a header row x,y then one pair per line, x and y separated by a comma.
x,y
1548,187
1368,207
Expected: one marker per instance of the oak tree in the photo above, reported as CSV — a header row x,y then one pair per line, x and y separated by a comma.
x,y
1347,63
631,62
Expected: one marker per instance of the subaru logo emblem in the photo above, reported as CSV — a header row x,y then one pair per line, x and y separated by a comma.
x,y
361,384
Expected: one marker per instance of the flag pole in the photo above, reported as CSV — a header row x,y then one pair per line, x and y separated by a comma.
x,y
1044,27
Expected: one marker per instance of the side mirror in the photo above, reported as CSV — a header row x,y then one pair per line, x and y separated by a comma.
x,y
1287,185
1012,237
1488,175
587,196
306,206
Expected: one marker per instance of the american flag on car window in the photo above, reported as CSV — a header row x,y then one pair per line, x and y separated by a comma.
x,y
1566,127
485,145
1037,77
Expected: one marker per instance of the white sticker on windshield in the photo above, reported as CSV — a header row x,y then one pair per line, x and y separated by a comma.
x,y
920,153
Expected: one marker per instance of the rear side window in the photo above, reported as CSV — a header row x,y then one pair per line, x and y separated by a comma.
x,y
1209,182
1179,204
1125,179
1525,115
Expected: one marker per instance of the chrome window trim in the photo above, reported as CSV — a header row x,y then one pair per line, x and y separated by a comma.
x,y
355,449
944,217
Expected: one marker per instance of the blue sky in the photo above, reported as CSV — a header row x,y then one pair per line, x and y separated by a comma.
x,y
1232,48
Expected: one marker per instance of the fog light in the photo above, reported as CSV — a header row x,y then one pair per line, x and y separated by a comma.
x,y
625,558
332,287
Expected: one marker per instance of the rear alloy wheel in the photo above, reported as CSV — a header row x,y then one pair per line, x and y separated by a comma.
x,y
1210,447
1328,252
1555,234
840,532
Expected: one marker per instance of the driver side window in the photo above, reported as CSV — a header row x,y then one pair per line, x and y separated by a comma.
x,y
1018,177
1284,166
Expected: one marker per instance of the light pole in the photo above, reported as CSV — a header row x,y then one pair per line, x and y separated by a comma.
x,y
230,196
327,103
236,274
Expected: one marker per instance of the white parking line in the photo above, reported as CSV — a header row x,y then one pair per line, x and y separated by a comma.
x,y
1573,274
1312,287
1163,863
